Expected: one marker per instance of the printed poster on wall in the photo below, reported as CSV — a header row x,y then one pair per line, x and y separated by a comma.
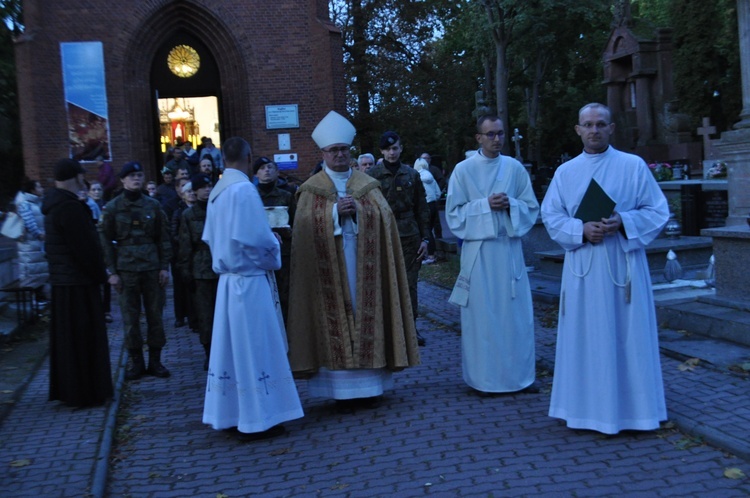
x,y
86,100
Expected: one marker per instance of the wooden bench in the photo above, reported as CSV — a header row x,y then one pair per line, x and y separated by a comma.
x,y
25,289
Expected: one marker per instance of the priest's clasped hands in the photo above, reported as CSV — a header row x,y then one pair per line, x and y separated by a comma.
x,y
499,202
346,206
595,231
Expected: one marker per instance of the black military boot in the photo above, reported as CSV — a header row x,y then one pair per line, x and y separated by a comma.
x,y
207,348
155,367
137,365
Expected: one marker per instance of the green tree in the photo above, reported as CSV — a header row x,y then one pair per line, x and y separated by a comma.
x,y
556,61
415,67
449,74
10,134
706,60
383,45
656,11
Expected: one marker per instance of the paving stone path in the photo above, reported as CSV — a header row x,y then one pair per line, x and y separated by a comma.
x,y
431,436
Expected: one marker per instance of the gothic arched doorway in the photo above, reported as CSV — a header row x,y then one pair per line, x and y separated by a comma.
x,y
225,77
187,92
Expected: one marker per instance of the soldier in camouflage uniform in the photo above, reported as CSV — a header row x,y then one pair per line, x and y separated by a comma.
x,y
194,261
134,233
267,173
402,187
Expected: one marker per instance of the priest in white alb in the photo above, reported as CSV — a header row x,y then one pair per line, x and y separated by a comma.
x,y
250,386
491,205
350,319
607,368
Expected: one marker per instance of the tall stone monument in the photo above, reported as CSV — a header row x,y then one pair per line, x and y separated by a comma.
x,y
732,243
640,92
734,145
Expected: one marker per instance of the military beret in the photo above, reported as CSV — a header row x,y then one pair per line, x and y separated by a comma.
x,y
199,181
389,138
130,167
261,161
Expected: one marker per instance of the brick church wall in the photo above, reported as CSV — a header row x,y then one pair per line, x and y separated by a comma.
x,y
269,52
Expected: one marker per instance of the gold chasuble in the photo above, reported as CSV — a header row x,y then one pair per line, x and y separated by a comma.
x,y
323,328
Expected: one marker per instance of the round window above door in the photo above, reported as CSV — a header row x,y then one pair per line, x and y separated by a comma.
x,y
183,61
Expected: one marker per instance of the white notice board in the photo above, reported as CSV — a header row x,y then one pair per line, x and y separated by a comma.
x,y
282,116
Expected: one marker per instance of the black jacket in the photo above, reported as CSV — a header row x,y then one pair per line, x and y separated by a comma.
x,y
71,241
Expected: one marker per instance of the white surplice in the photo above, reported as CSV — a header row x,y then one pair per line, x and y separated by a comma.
x,y
348,384
250,385
497,317
607,368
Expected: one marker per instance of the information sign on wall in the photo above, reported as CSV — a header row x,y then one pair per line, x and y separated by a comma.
x,y
282,116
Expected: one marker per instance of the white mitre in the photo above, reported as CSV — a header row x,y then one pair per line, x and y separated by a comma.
x,y
333,129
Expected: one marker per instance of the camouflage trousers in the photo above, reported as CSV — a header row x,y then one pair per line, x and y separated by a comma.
x,y
204,301
410,246
282,283
137,287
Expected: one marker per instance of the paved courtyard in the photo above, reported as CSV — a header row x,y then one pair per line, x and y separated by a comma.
x,y
430,436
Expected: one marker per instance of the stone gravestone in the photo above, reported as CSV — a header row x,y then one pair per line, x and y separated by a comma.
x,y
690,200
709,150
706,131
517,142
714,208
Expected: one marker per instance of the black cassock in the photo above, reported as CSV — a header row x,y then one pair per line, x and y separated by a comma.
x,y
80,373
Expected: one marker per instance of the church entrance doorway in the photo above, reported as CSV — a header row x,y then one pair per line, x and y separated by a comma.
x,y
187,94
186,118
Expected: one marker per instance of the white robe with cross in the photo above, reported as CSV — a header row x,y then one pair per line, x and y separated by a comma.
x,y
250,384
607,368
497,317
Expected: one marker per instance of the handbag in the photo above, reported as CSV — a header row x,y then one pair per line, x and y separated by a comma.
x,y
12,226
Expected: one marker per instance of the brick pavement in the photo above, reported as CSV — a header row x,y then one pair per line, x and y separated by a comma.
x,y
48,449
430,436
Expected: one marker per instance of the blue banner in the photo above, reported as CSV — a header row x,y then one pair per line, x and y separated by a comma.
x,y
86,100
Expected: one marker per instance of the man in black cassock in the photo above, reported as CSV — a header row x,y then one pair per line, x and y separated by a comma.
x,y
80,373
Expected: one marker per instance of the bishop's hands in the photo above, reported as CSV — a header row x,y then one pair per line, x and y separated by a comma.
x,y
346,206
595,231
499,202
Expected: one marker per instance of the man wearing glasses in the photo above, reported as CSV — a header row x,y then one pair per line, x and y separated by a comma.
x,y
350,322
491,205
607,367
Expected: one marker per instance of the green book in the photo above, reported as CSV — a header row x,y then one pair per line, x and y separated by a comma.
x,y
595,205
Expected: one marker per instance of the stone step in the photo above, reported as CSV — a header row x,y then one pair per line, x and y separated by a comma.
x,y
692,253
684,345
707,316
688,306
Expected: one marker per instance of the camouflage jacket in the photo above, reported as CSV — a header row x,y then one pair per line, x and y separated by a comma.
x,y
135,235
281,197
405,194
194,256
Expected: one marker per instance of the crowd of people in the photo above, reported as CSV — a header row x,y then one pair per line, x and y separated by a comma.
x,y
319,283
